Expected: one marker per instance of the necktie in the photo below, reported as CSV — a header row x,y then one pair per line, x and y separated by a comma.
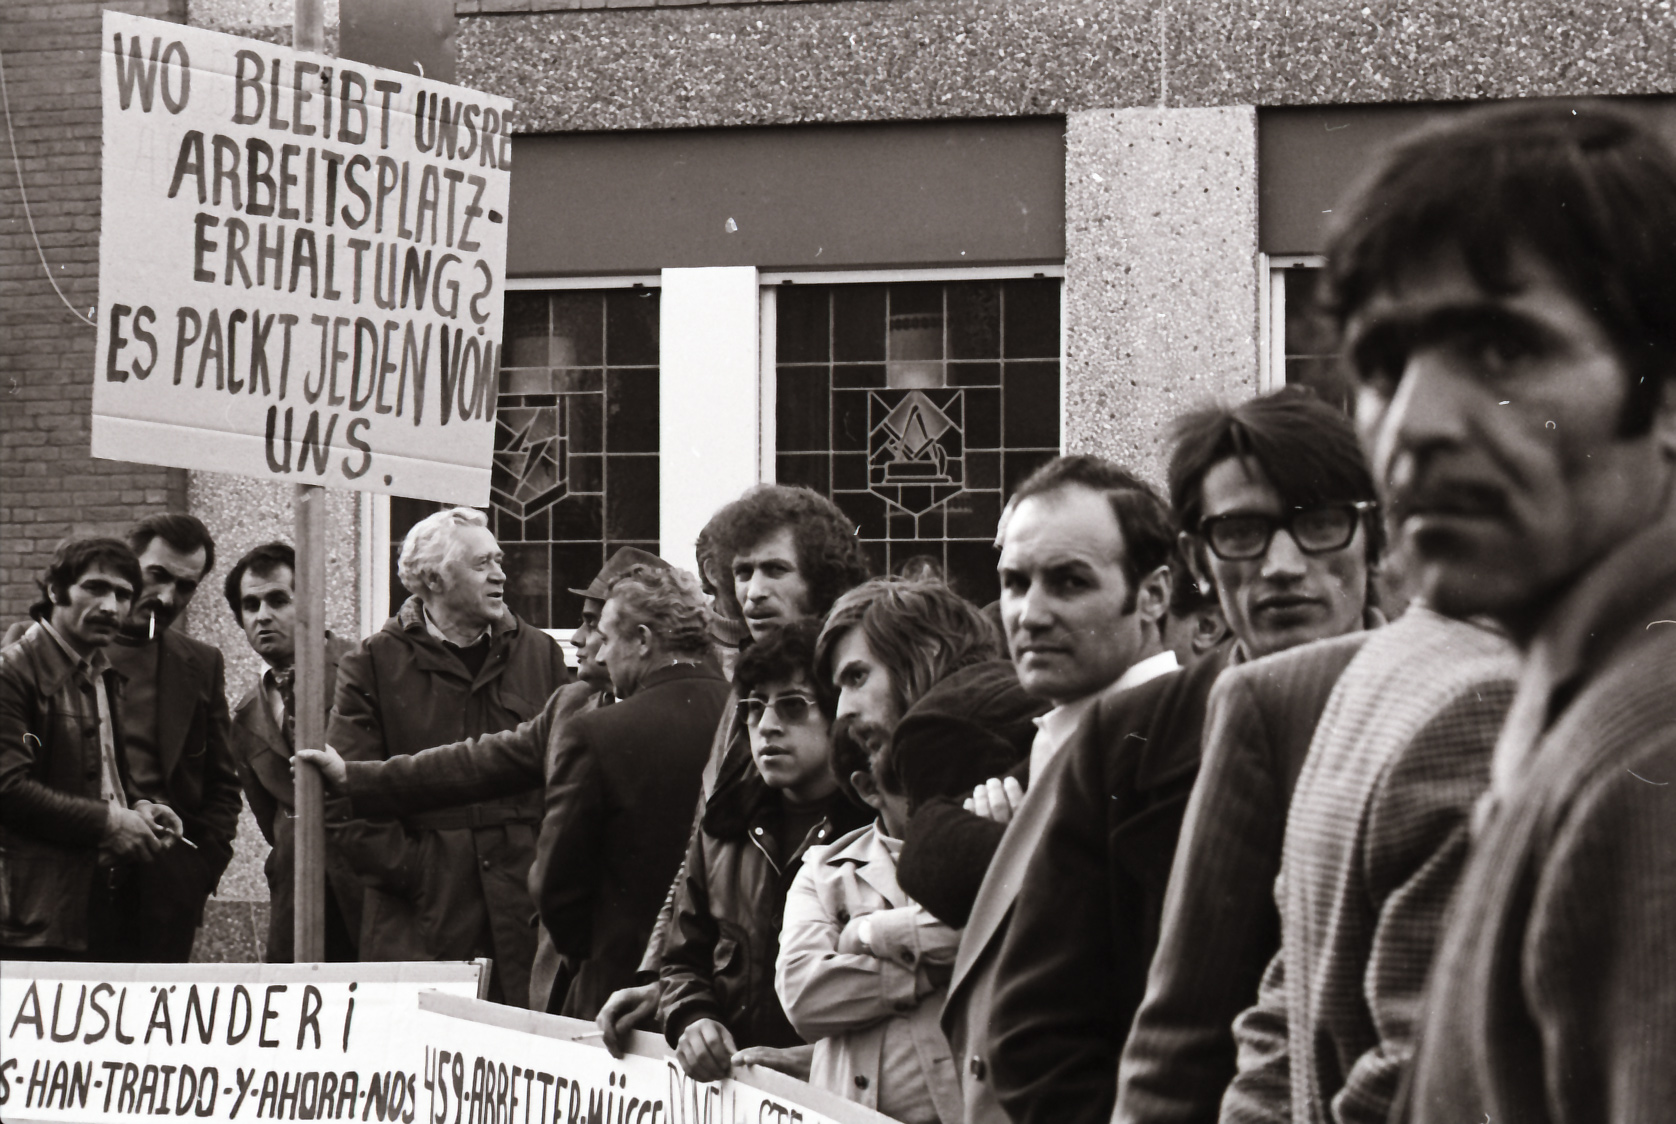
x,y
285,681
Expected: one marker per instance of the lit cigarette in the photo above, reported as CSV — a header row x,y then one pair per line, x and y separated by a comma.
x,y
151,633
589,1034
187,841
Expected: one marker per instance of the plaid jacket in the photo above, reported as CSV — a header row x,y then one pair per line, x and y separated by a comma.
x,y
1375,842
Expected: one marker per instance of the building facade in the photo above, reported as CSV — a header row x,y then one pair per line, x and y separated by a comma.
x,y
901,251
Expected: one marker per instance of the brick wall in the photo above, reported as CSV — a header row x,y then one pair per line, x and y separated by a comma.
x,y
50,487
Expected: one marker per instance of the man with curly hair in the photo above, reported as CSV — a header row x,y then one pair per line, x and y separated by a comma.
x,y
791,554
624,781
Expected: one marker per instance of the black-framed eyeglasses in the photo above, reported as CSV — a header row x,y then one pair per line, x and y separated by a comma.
x,y
791,709
1243,536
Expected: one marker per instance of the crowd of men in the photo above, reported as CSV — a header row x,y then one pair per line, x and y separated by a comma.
x,y
1333,782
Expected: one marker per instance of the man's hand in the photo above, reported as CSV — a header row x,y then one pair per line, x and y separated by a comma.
x,y
333,771
706,1051
997,799
129,836
165,824
625,1010
793,1062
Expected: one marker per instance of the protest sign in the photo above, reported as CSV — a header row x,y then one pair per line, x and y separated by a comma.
x,y
480,1063
300,265
106,1042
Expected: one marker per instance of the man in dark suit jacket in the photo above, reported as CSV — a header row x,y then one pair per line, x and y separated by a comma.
x,y
175,728
260,589
1273,495
624,782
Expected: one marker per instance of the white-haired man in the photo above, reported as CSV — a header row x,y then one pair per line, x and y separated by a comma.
x,y
453,663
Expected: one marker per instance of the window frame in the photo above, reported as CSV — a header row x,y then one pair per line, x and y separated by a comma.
x,y
1271,315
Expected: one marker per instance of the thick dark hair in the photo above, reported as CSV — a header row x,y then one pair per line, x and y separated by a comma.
x,y
1588,190
787,653
259,560
185,533
1149,534
72,559
828,552
920,631
1306,448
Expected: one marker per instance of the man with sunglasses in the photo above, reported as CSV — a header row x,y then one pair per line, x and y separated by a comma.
x,y
717,998
1277,504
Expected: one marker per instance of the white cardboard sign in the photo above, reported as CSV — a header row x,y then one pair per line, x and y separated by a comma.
x,y
113,1042
301,265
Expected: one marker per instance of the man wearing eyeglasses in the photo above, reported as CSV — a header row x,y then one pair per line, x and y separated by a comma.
x,y
1276,502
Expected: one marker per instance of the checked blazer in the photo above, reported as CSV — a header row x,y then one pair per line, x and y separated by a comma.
x,y
1376,840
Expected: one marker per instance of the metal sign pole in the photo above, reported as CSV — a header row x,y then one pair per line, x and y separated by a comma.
x,y
309,512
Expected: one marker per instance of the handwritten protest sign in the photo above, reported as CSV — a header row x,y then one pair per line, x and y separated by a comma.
x,y
301,265
481,1063
106,1042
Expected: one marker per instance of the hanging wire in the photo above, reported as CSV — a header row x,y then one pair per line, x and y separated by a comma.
x,y
6,100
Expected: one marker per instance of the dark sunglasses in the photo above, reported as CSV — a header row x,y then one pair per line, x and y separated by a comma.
x,y
1243,536
791,709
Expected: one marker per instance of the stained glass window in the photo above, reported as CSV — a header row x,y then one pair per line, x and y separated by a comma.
x,y
917,407
576,445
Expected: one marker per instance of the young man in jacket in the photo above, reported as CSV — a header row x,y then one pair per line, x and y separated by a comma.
x,y
454,663
176,730
261,591
718,972
70,817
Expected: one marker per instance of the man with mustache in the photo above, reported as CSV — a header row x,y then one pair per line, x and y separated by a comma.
x,y
70,818
1504,284
175,728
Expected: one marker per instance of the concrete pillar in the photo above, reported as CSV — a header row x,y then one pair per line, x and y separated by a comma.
x,y
1161,273
242,512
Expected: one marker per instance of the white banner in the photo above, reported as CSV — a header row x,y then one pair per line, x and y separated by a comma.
x,y
300,265
480,1063
215,1042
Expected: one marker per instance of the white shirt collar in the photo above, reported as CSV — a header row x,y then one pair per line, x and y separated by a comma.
x,y
1148,669
1055,728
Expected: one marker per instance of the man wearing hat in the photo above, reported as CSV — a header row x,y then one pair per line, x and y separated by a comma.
x,y
495,765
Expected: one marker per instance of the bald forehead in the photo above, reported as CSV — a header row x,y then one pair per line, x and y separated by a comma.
x,y
1072,520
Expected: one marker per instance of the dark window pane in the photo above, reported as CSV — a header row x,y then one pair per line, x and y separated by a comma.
x,y
983,470
974,374
800,410
849,470
631,497
849,421
525,331
587,473
866,509
506,528
801,323
858,323
585,427
1017,466
578,329
917,298
899,524
1031,329
809,471
975,320
574,566
974,515
868,376
631,411
1309,331
971,572
577,519
538,527
631,325
528,581
1032,405
983,419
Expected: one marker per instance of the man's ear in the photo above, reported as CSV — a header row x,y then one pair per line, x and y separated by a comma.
x,y
1152,596
867,788
643,636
